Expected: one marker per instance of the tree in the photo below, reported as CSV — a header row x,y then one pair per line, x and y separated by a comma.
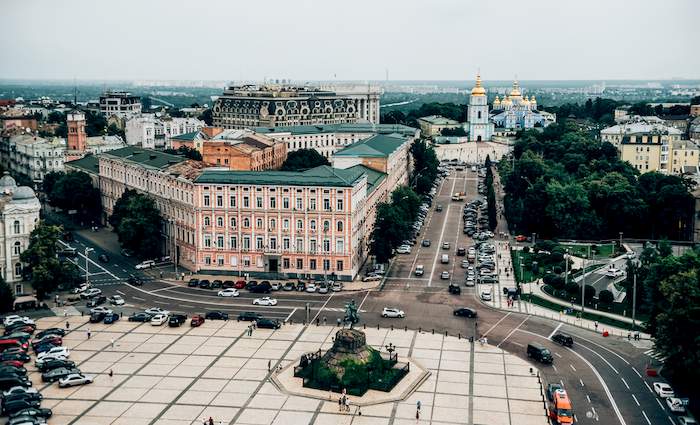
x,y
186,151
55,117
207,117
95,123
304,159
457,131
114,130
589,292
138,223
74,191
43,269
425,165
606,297
7,297
50,180
393,117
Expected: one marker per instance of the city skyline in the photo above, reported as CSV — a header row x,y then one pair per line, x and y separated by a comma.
x,y
447,41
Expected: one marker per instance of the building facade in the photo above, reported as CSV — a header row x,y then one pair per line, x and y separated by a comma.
x,y
19,214
479,125
244,150
120,103
279,106
152,132
433,125
517,112
32,155
650,145
327,139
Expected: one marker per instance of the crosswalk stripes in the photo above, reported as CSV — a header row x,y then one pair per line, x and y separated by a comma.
x,y
654,355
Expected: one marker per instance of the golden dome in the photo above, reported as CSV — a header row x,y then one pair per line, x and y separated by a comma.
x,y
507,101
515,92
478,90
532,99
497,100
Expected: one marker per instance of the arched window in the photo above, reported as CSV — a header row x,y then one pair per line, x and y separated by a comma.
x,y
220,221
326,225
339,226
246,222
233,222
478,114
17,249
207,221
17,227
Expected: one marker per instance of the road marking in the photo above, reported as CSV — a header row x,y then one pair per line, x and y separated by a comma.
x,y
601,357
595,415
125,271
321,309
648,387
572,367
413,264
359,308
588,398
555,331
637,372
166,288
517,343
556,371
511,332
625,382
496,324
660,405
159,302
120,292
558,355
137,298
442,233
635,400
646,417
187,306
604,348
581,381
671,420
290,314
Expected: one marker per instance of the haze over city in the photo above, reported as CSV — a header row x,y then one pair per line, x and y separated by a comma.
x,y
359,40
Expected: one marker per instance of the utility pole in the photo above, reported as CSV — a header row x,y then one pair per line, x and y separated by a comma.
x,y
566,267
583,283
87,273
634,299
620,241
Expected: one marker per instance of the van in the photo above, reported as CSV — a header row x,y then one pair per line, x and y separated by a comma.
x,y
563,339
539,353
445,259
562,412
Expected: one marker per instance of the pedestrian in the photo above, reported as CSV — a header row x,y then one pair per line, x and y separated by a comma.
x,y
67,325
88,333
269,364
111,373
340,403
324,320
418,405
211,421
417,415
596,325
112,341
347,404
359,411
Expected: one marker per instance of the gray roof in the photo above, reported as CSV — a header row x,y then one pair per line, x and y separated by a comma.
x,y
339,128
319,176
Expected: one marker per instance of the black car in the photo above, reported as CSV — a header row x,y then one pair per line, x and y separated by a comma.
x,y
215,284
45,347
563,339
26,420
301,286
7,382
216,315
17,405
461,251
13,370
251,284
58,373
204,284
34,413
20,336
464,312
22,396
94,302
110,318
263,288
97,317
22,357
228,284
135,280
51,331
454,289
267,324
19,325
193,283
249,316
103,258
539,353
140,317
176,320
55,364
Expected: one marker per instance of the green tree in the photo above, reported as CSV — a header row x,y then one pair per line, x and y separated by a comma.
x,y
207,117
406,202
457,131
74,191
304,159
393,117
50,180
7,297
425,165
114,130
186,151
55,117
137,222
606,297
95,123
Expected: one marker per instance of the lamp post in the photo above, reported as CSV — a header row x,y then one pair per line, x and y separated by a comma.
x,y
620,248
566,267
390,348
634,296
87,273
583,282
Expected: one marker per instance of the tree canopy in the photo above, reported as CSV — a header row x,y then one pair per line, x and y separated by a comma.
x,y
186,151
425,166
304,159
562,183
73,191
7,297
393,222
137,222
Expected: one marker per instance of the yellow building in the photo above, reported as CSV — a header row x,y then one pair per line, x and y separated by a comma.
x,y
432,125
652,146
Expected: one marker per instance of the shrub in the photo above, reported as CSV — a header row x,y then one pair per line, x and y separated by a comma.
x,y
605,296
526,249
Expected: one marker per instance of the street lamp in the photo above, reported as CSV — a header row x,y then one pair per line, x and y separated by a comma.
x,y
390,348
620,246
634,296
87,273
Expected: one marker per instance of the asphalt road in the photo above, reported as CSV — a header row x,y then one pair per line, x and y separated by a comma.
x,y
604,377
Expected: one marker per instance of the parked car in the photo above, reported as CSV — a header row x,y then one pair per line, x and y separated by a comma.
x,y
249,316
205,284
445,245
145,265
663,390
43,413
176,320
75,379
445,275
51,331
193,283
197,321
56,374
229,292
403,249
240,284
216,315
227,284
372,278
419,270
140,317
16,405
159,319
263,288
393,312
216,283
486,294
156,310
675,405
263,323
101,309
311,287
97,317
91,293
265,301
323,288
289,286
116,300
454,289
54,364
301,286
60,351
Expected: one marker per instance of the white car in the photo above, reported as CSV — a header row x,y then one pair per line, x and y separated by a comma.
x,y
80,289
101,309
486,295
145,265
75,379
229,292
48,357
469,281
419,270
91,293
614,272
465,264
265,301
116,300
336,287
445,275
311,287
393,312
7,321
19,390
687,420
675,405
371,278
403,249
663,390
156,310
55,351
159,319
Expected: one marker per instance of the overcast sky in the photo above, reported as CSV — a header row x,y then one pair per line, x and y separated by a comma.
x,y
349,39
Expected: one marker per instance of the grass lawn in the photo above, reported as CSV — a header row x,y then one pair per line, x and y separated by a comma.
x,y
581,250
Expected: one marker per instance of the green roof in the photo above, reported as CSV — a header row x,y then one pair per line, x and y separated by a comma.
x,y
188,136
319,176
339,128
438,120
88,163
146,157
374,177
379,145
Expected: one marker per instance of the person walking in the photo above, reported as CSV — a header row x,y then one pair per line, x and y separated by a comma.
x,y
269,364
596,325
211,421
88,333
67,325
340,403
112,342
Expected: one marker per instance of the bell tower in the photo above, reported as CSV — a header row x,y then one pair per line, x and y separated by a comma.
x,y
75,121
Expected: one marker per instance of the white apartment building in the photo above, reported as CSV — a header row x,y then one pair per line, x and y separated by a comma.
x,y
151,131
120,103
32,155
19,214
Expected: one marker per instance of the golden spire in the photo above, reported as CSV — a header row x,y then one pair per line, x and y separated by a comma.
x,y
478,90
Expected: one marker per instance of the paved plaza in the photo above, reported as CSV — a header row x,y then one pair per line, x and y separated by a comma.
x,y
180,376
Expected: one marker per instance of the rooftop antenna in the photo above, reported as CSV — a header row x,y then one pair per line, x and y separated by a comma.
x,y
386,74
75,93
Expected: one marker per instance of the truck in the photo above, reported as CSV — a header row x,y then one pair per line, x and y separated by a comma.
x,y
458,196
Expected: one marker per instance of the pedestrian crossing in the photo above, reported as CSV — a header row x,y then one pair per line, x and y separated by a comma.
x,y
655,355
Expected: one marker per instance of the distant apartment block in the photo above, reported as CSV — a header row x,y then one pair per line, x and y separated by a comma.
x,y
153,132
248,106
120,103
